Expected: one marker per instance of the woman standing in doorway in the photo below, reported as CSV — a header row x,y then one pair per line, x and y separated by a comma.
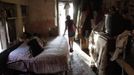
x,y
69,24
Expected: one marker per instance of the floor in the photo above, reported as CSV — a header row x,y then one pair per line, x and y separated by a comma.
x,y
80,62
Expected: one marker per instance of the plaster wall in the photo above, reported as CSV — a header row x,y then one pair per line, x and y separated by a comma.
x,y
41,16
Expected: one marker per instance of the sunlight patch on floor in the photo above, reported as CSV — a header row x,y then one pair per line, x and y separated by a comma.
x,y
86,58
82,54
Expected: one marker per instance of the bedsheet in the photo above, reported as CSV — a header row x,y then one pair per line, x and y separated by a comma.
x,y
54,57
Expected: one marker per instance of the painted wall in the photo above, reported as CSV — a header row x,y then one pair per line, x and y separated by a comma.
x,y
41,16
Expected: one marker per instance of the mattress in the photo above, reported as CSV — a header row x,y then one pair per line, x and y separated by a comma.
x,y
54,58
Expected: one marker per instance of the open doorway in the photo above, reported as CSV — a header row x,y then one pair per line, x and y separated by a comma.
x,y
62,15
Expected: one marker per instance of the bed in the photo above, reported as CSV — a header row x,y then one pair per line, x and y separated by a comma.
x,y
53,59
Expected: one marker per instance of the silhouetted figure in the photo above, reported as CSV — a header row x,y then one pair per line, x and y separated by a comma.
x,y
71,31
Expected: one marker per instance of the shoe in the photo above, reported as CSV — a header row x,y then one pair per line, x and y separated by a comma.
x,y
71,50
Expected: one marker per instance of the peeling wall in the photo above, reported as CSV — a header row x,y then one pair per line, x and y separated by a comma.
x,y
41,16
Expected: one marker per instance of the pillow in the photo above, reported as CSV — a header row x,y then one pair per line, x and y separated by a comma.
x,y
35,47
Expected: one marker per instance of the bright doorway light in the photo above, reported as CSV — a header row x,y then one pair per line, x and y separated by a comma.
x,y
71,10
62,16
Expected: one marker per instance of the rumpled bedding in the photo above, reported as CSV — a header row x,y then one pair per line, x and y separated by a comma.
x,y
53,59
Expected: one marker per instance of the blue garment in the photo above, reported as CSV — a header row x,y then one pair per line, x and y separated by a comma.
x,y
71,34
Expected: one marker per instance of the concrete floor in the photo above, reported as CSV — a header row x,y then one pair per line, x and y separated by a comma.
x,y
80,62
